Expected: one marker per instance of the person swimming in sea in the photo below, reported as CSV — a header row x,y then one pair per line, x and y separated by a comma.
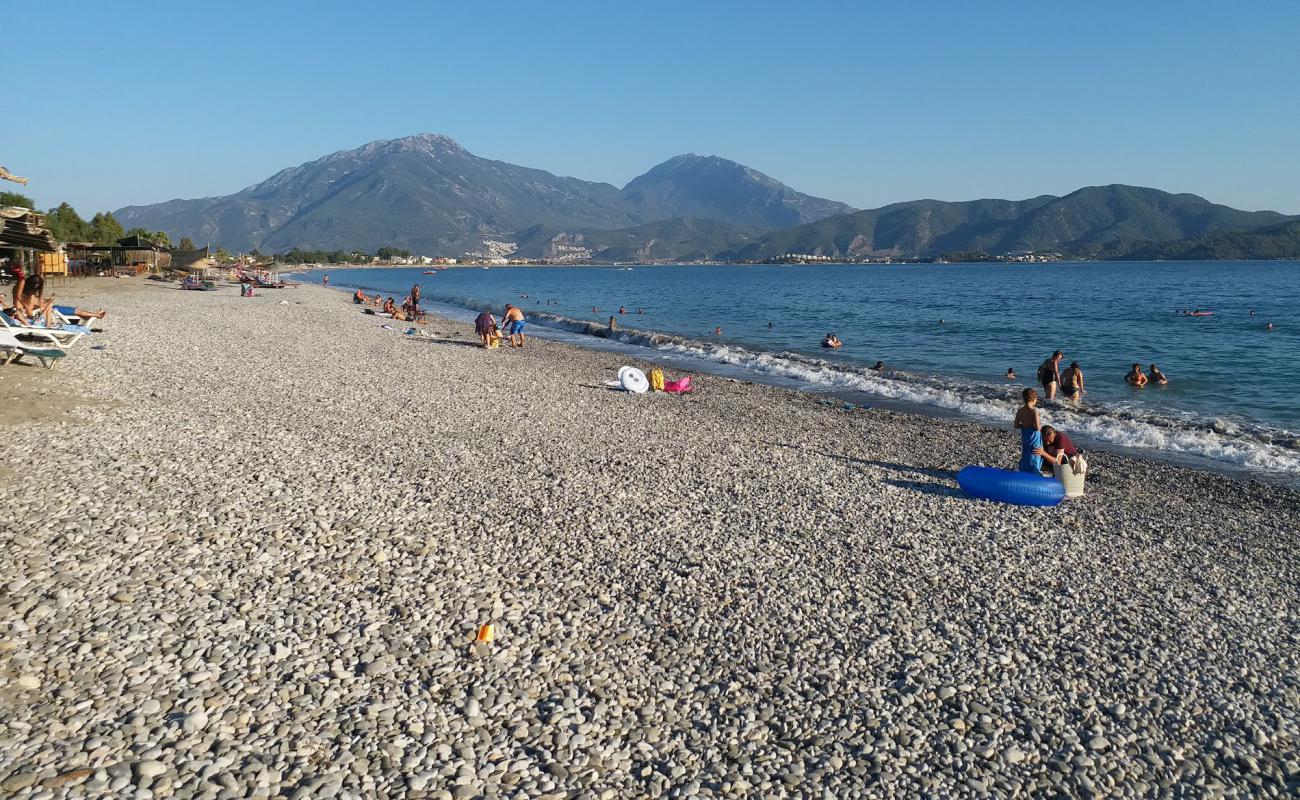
x,y
1158,377
879,367
622,310
717,331
1030,423
1011,373
832,341
1135,377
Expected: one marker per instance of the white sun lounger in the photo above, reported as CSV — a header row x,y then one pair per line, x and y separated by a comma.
x,y
13,350
63,336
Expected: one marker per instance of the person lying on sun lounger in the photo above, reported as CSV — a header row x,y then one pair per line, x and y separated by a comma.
x,y
34,308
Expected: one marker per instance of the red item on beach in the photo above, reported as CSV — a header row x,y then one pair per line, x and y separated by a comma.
x,y
679,386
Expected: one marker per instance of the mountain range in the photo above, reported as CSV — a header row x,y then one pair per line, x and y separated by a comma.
x,y
427,194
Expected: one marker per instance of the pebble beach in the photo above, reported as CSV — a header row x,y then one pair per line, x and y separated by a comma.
x,y
249,543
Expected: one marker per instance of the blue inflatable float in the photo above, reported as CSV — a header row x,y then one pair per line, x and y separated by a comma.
x,y
1005,486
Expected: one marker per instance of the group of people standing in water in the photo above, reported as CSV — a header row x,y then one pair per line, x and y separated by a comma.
x,y
1070,384
1042,446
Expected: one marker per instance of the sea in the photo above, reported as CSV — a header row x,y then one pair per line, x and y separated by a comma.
x,y
947,333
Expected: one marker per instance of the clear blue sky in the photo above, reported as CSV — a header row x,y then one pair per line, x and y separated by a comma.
x,y
868,103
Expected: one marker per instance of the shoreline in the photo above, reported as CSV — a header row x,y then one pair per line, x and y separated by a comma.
x,y
263,565
593,336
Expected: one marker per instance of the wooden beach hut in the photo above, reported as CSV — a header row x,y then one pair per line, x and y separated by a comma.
x,y
140,256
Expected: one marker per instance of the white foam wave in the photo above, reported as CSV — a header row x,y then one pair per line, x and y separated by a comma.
x,y
1226,442
1119,427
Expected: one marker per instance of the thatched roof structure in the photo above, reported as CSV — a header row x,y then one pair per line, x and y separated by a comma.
x,y
22,227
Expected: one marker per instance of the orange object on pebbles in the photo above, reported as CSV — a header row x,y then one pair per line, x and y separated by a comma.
x,y
486,633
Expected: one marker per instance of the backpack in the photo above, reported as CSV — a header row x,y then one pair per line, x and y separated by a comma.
x,y
656,380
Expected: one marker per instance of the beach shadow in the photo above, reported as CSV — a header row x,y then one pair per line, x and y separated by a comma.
x,y
928,472
936,489
600,388
926,480
435,340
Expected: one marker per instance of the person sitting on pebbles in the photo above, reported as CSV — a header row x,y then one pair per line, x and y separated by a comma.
x,y
1057,448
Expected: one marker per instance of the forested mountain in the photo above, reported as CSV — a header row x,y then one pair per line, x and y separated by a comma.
x,y
1092,216
1273,241
709,187
428,194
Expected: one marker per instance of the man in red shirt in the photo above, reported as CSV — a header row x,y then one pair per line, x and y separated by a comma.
x,y
1056,448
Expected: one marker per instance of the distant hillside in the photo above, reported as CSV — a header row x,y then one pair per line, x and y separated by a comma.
x,y
709,187
424,193
664,240
428,194
1274,241
1090,217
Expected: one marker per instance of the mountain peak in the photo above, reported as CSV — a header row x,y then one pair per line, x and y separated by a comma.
x,y
430,144
425,192
713,187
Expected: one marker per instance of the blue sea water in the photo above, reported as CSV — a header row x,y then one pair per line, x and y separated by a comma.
x,y
948,333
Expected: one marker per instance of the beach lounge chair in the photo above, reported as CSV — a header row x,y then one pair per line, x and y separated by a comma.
x,y
63,336
67,315
13,350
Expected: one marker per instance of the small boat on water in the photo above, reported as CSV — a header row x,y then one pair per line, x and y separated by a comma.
x,y
429,272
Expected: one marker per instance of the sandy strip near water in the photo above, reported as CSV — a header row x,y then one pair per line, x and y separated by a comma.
x,y
248,545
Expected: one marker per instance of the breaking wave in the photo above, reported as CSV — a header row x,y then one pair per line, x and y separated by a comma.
x,y
1225,440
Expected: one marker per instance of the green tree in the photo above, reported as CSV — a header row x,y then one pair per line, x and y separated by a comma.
x,y
15,199
105,229
187,244
223,255
67,225
157,237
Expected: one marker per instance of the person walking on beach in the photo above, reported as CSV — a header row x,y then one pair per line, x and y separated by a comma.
x,y
1049,374
325,279
514,325
1029,423
415,300
1072,382
613,324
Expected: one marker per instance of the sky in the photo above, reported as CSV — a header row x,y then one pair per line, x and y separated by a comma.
x,y
868,103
